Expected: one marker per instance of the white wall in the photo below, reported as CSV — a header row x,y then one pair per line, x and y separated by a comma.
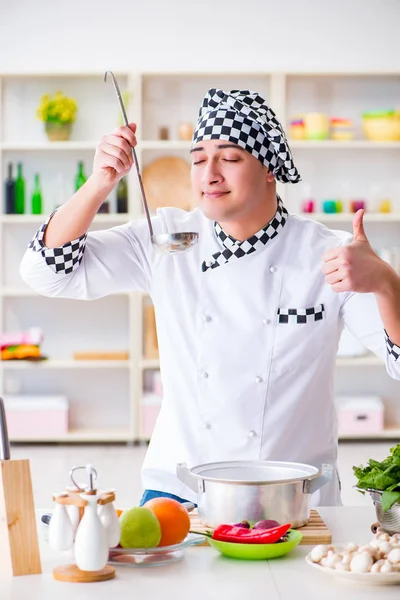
x,y
308,35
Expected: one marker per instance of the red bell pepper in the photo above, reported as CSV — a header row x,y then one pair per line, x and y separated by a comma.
x,y
241,535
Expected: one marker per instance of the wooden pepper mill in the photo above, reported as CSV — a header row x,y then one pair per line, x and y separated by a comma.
x,y
19,547
71,572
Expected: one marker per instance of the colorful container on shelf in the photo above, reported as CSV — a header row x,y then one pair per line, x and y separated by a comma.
x,y
381,125
356,205
297,130
316,126
341,130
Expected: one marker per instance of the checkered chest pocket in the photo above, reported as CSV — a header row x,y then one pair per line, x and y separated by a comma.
x,y
300,336
301,316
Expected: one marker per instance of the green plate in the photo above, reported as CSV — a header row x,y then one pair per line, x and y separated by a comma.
x,y
257,551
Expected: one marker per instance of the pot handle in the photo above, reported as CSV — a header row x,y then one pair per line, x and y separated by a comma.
x,y
313,485
184,475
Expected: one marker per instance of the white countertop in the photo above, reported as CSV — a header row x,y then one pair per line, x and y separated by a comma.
x,y
204,574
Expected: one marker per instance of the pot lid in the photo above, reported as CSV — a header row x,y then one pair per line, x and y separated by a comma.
x,y
255,472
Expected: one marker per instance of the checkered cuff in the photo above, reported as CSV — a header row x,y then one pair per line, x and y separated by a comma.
x,y
61,260
391,347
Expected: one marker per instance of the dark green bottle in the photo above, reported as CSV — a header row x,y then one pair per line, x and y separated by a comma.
x,y
19,191
80,178
37,197
122,196
9,192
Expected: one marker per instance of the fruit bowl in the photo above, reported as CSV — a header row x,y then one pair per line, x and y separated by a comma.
x,y
257,551
152,557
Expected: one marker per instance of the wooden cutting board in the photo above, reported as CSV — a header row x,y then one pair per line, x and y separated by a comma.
x,y
315,532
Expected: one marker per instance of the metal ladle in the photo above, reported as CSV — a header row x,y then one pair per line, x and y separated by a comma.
x,y
168,243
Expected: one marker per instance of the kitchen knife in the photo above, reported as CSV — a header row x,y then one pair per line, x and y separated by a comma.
x,y
4,441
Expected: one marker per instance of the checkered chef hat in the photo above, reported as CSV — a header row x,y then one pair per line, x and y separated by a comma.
x,y
243,118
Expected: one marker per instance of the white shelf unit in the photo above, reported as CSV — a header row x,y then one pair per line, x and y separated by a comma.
x,y
330,169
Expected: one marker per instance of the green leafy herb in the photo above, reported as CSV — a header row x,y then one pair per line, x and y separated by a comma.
x,y
383,476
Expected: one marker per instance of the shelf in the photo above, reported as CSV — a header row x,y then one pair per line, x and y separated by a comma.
x,y
46,146
81,435
65,364
38,219
150,363
350,145
386,434
344,217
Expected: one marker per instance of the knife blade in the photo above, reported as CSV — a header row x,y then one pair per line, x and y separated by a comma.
x,y
4,441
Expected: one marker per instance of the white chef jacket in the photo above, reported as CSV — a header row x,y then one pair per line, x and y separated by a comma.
x,y
238,383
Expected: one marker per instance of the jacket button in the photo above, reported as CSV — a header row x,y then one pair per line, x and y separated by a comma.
x,y
204,375
252,434
266,322
207,318
206,425
258,379
272,269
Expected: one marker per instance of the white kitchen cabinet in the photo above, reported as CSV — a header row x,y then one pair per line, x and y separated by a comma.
x,y
106,396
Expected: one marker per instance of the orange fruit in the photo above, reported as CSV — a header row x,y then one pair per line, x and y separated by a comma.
x,y
119,512
173,518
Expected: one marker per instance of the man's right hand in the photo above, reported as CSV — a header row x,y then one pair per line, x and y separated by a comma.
x,y
113,159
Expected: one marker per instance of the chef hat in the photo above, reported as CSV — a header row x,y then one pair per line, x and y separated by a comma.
x,y
243,118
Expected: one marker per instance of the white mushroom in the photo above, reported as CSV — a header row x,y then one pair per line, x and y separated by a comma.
x,y
361,563
347,557
394,556
351,547
331,559
319,552
384,537
387,567
385,548
395,539
376,567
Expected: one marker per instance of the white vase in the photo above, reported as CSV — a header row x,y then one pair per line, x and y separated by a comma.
x,y
91,548
110,522
61,535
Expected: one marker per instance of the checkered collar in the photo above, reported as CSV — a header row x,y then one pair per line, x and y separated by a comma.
x,y
234,249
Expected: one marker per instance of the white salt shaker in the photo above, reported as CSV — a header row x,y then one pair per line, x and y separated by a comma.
x,y
61,535
109,519
91,547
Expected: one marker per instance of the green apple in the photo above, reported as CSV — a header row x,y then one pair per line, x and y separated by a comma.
x,y
140,528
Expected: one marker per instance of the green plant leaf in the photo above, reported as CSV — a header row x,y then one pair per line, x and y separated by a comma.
x,y
389,498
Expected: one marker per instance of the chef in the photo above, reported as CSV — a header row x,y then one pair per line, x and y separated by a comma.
x,y
249,320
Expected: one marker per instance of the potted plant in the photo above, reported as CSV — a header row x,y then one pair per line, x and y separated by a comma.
x,y
58,113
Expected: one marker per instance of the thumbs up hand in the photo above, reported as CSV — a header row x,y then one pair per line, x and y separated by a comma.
x,y
355,267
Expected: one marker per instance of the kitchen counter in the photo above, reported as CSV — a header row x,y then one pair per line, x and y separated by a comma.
x,y
204,574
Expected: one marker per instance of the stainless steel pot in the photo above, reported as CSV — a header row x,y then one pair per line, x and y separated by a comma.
x,y
229,492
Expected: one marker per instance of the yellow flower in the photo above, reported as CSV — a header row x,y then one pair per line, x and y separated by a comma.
x,y
58,108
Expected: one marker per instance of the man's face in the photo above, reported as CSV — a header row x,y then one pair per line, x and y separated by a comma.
x,y
228,182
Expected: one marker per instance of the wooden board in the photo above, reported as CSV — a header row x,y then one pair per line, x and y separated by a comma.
x,y
167,183
19,547
101,355
72,574
315,532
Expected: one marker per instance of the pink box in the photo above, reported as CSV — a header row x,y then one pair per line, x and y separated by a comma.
x,y
36,416
149,410
358,415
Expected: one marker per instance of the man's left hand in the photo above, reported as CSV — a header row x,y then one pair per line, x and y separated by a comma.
x,y
356,267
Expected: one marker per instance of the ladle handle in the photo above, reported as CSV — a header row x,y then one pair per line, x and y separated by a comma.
x,y
135,160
